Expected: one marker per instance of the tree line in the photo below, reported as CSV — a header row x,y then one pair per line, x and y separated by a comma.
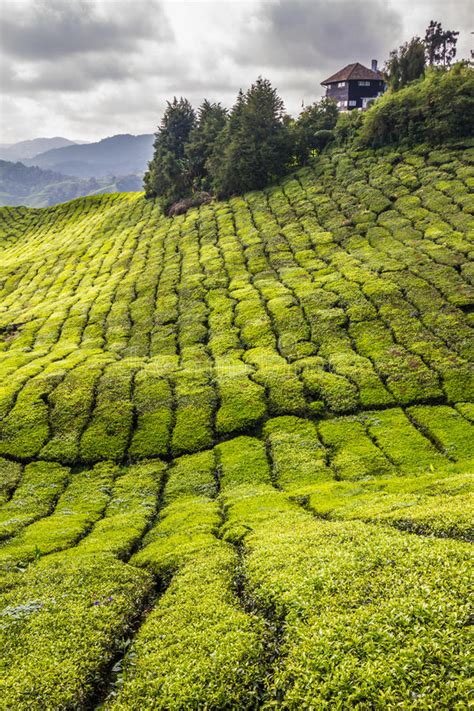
x,y
408,62
228,152
218,152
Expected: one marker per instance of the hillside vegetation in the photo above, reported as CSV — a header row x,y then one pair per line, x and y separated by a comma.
x,y
236,445
255,144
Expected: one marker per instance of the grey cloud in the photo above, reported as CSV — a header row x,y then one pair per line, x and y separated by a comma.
x,y
68,76
80,74
320,33
52,29
90,68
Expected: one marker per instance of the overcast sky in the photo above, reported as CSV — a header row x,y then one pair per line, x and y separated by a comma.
x,y
86,69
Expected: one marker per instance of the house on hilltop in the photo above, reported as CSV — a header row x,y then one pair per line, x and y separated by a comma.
x,y
355,86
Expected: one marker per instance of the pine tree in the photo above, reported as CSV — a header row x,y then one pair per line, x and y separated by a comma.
x,y
255,147
202,138
168,175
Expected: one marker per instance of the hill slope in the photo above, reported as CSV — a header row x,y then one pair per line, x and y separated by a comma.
x,y
34,187
220,434
116,155
29,149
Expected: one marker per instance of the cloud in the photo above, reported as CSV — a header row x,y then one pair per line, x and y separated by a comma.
x,y
319,33
74,47
91,68
53,29
86,73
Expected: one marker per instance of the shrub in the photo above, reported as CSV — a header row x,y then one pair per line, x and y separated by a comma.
x,y
77,509
434,110
352,454
40,486
242,402
107,434
154,407
403,444
65,619
452,433
10,473
299,459
182,206
129,511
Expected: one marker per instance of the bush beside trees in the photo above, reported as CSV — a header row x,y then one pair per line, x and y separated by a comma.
x,y
434,110
347,127
406,64
310,131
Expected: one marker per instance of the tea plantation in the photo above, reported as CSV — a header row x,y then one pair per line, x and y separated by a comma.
x,y
236,446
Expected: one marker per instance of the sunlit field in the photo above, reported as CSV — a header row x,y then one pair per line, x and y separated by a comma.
x,y
236,446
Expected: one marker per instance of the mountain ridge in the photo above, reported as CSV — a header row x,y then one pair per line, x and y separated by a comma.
x,y
114,155
24,150
34,187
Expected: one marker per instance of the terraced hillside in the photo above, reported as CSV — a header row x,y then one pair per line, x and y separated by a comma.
x,y
236,446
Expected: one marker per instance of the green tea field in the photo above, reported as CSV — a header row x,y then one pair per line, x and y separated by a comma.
x,y
237,446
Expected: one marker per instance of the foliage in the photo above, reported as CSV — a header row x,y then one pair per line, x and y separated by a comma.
x,y
348,126
440,44
62,622
405,64
211,120
168,175
434,110
221,433
255,147
309,127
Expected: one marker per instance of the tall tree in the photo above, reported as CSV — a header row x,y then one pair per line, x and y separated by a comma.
x,y
440,44
255,147
168,174
406,64
320,116
202,138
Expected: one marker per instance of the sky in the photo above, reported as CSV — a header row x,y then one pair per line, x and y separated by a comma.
x,y
86,69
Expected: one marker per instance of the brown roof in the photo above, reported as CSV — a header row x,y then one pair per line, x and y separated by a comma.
x,y
355,72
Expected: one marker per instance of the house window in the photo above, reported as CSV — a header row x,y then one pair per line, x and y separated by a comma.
x,y
341,104
341,83
352,103
363,83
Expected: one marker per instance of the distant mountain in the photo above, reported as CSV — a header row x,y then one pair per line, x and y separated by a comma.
x,y
34,187
24,150
117,155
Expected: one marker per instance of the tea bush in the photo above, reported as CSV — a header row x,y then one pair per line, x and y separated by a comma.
x,y
231,441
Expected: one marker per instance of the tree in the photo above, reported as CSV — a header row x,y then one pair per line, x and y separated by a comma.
x,y
212,119
168,174
320,116
255,147
440,45
406,64
224,177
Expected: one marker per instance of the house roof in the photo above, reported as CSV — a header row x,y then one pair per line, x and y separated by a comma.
x,y
353,72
